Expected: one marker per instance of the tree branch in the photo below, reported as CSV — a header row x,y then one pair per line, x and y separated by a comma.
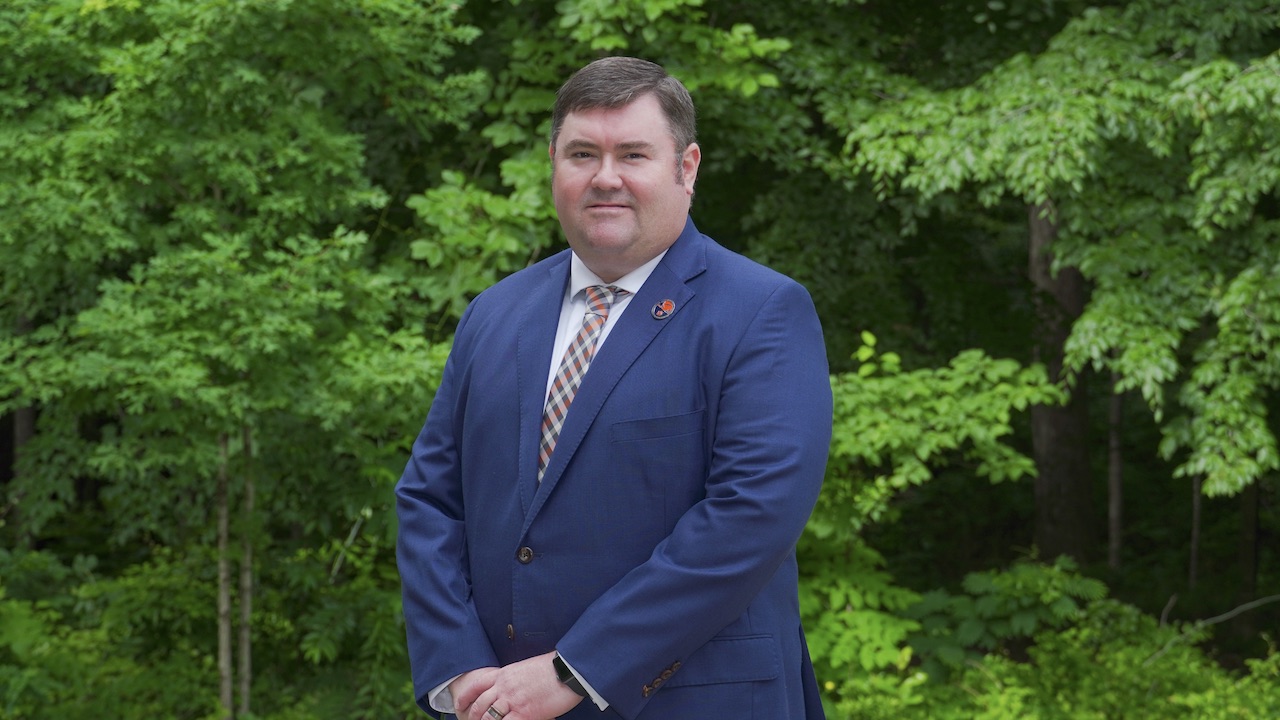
x,y
1201,624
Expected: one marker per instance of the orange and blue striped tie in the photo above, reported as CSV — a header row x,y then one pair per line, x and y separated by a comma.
x,y
577,358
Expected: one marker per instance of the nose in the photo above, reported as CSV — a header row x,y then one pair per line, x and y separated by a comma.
x,y
607,176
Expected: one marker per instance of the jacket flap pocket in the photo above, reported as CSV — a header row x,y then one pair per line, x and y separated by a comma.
x,y
746,658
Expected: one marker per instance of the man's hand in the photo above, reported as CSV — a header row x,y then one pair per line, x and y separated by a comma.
x,y
527,690
467,687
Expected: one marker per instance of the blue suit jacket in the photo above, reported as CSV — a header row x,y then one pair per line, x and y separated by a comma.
x,y
657,553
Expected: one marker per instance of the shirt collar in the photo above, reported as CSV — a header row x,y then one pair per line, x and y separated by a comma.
x,y
580,277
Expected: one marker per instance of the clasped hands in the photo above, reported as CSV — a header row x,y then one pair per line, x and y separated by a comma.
x,y
525,690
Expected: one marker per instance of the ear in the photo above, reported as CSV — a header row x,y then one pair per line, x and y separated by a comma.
x,y
551,152
689,162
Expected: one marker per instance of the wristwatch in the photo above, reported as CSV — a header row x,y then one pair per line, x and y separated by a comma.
x,y
566,675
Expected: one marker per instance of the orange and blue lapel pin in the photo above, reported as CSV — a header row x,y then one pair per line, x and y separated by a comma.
x,y
663,310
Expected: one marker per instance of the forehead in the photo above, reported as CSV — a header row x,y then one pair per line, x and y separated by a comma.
x,y
640,121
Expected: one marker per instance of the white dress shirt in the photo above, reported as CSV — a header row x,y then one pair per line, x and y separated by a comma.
x,y
574,307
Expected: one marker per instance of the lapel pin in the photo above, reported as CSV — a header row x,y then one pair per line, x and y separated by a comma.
x,y
663,310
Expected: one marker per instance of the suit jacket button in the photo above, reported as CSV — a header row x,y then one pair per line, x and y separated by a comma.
x,y
525,555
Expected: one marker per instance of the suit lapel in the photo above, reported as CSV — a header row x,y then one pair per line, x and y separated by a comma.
x,y
637,327
534,345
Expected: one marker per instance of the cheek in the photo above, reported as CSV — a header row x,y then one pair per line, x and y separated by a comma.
x,y
560,191
568,183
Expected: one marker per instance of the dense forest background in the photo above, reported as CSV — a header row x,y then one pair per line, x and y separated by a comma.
x,y
1043,237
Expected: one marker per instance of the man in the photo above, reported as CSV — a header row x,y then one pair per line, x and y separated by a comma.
x,y
599,516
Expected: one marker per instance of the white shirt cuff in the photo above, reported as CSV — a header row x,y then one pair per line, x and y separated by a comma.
x,y
595,696
440,699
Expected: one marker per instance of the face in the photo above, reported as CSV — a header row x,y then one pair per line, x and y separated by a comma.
x,y
621,190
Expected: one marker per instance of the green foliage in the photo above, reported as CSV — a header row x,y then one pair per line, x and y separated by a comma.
x,y
186,175
851,610
1150,146
892,429
1116,663
93,657
102,652
1227,430
1082,656
996,609
476,237
729,55
892,426
226,150
948,634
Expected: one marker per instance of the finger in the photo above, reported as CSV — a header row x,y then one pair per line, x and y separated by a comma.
x,y
481,705
469,685
467,694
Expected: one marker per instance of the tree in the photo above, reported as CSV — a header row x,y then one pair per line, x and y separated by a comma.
x,y
1117,123
218,318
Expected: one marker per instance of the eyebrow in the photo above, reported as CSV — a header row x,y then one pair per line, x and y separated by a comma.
x,y
628,146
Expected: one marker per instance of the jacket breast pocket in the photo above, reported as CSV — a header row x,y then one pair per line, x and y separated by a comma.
x,y
655,428
659,463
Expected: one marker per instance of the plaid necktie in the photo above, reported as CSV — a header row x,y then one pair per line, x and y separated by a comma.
x,y
577,358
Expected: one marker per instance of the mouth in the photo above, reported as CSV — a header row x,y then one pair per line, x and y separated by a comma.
x,y
608,205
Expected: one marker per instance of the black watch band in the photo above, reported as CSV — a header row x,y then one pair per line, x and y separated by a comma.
x,y
566,675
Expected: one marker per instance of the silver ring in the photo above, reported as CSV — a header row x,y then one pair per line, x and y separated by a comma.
x,y
493,713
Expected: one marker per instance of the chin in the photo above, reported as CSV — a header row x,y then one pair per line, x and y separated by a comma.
x,y
609,238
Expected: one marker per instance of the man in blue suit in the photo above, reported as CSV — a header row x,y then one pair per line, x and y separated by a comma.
x,y
599,516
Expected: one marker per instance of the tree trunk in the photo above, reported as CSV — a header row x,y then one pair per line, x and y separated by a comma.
x,y
1059,435
225,679
246,579
1197,501
1243,626
24,428
1115,478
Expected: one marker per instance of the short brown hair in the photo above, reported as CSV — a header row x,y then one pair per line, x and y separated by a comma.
x,y
613,82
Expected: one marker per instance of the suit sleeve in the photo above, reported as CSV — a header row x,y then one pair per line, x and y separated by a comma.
x,y
444,631
769,448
